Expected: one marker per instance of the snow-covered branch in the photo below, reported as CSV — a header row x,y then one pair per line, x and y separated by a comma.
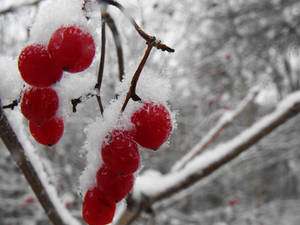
x,y
22,151
154,188
12,9
224,121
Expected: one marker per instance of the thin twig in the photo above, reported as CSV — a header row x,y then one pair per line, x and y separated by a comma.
x,y
132,90
224,121
156,43
101,65
111,24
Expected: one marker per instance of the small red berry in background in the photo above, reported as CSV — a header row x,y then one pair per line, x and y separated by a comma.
x,y
155,5
39,104
228,57
72,48
37,67
226,107
232,202
120,152
29,200
113,185
96,209
69,204
153,125
49,133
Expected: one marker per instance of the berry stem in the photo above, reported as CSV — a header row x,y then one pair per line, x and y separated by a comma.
x,y
101,65
132,90
156,43
111,24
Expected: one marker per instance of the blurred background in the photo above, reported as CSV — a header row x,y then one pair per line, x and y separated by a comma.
x,y
223,49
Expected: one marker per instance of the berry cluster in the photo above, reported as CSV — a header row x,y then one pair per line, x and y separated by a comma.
x,y
120,155
70,49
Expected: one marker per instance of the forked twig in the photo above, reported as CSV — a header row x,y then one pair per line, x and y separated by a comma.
x,y
156,43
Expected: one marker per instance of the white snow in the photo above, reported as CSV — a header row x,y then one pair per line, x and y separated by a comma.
x,y
11,82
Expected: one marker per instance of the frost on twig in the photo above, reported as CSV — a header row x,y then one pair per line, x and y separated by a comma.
x,y
224,121
206,163
16,142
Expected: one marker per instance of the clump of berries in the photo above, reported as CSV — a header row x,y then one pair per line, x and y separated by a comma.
x,y
70,49
152,126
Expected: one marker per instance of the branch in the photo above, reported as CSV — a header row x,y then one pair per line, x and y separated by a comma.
x,y
224,121
131,93
148,38
33,172
101,65
13,9
208,162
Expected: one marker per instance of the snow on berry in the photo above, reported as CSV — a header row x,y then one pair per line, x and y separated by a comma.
x,y
72,48
53,14
39,104
37,67
114,185
49,133
96,208
153,125
120,152
96,132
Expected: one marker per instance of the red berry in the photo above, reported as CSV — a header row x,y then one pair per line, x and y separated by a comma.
x,y
120,152
49,133
39,104
232,202
153,125
96,209
37,67
114,185
228,57
72,48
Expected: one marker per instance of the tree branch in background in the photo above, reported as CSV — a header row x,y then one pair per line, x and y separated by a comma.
x,y
111,24
224,121
31,173
206,163
13,9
